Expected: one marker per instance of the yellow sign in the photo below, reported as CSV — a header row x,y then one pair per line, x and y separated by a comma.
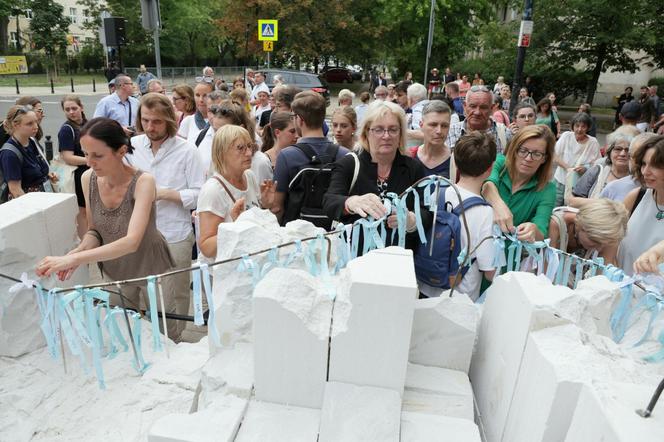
x,y
268,46
15,64
268,30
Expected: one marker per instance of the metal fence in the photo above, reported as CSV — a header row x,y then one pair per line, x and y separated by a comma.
x,y
172,76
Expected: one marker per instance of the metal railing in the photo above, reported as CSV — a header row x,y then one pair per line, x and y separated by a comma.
x,y
171,76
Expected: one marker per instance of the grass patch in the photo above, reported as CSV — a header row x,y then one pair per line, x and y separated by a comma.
x,y
43,80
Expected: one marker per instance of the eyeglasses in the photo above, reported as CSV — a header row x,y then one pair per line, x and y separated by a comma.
x,y
177,98
620,150
242,148
525,117
383,95
380,131
204,79
534,155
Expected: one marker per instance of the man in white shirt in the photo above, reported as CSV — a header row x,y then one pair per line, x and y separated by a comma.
x,y
120,105
179,175
259,78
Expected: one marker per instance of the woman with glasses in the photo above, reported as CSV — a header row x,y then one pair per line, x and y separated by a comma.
x,y
278,134
383,167
192,125
614,167
24,167
524,115
69,144
184,102
232,189
519,188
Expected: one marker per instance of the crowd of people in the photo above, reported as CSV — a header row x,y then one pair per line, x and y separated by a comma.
x,y
158,173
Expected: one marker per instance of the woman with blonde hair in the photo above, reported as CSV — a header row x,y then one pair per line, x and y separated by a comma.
x,y
519,188
597,227
232,189
346,97
383,167
344,125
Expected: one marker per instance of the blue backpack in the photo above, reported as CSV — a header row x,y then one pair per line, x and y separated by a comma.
x,y
435,269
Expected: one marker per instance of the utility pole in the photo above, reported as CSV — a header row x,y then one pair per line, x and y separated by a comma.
x,y
151,21
430,41
525,33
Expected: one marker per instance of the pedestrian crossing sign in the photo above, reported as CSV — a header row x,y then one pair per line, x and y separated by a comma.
x,y
268,30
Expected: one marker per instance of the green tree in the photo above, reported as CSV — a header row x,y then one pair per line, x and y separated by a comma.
x,y
596,37
48,29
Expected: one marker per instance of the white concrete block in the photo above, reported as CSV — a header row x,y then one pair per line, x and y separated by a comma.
x,y
416,427
593,304
233,290
557,362
516,303
373,348
351,413
265,421
260,217
229,371
292,320
606,412
219,423
439,391
444,332
31,227
183,367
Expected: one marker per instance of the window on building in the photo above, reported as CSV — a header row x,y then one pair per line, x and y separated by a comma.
x,y
12,39
72,15
28,14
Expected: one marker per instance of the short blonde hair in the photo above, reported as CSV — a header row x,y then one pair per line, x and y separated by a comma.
x,y
379,109
603,220
222,142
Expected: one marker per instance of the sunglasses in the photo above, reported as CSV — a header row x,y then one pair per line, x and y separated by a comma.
x,y
22,110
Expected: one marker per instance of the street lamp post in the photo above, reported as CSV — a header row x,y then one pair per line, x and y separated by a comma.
x,y
525,34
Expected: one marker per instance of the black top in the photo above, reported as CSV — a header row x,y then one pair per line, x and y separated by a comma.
x,y
405,172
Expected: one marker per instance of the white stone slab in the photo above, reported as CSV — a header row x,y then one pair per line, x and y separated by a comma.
x,y
416,427
219,423
439,391
557,362
516,303
606,412
31,227
265,421
373,348
444,332
352,413
229,371
291,338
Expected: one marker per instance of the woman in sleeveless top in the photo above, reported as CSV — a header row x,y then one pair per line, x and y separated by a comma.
x,y
120,206
646,224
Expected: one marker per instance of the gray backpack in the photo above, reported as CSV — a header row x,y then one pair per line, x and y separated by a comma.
x,y
4,186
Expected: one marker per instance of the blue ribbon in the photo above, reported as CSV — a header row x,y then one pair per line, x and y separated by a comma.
x,y
140,365
154,318
620,316
248,265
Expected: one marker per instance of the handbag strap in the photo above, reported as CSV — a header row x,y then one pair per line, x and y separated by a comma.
x,y
225,187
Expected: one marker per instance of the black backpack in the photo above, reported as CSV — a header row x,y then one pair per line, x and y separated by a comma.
x,y
4,186
307,188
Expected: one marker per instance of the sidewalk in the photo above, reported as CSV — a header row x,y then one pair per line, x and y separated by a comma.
x,y
79,89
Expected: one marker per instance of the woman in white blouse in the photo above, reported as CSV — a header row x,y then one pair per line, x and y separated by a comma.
x,y
232,189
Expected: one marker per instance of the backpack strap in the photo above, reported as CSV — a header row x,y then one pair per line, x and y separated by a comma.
x,y
225,187
468,204
201,135
10,147
331,152
356,171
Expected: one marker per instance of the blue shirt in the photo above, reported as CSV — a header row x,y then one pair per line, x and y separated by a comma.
x,y
142,81
457,104
33,171
124,112
291,160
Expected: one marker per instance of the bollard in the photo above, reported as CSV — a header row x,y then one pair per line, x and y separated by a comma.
x,y
52,89
17,91
71,81
94,85
48,145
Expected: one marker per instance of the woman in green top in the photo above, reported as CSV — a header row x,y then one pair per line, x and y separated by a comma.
x,y
520,188
547,116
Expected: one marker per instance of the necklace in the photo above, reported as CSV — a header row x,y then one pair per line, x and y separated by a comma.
x,y
660,212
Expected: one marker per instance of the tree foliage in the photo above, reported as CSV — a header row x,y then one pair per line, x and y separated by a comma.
x,y
48,29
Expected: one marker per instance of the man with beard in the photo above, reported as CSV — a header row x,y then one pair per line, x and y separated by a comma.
x,y
179,175
477,109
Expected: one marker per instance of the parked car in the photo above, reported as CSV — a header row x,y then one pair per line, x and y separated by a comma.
x,y
338,75
300,79
355,72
